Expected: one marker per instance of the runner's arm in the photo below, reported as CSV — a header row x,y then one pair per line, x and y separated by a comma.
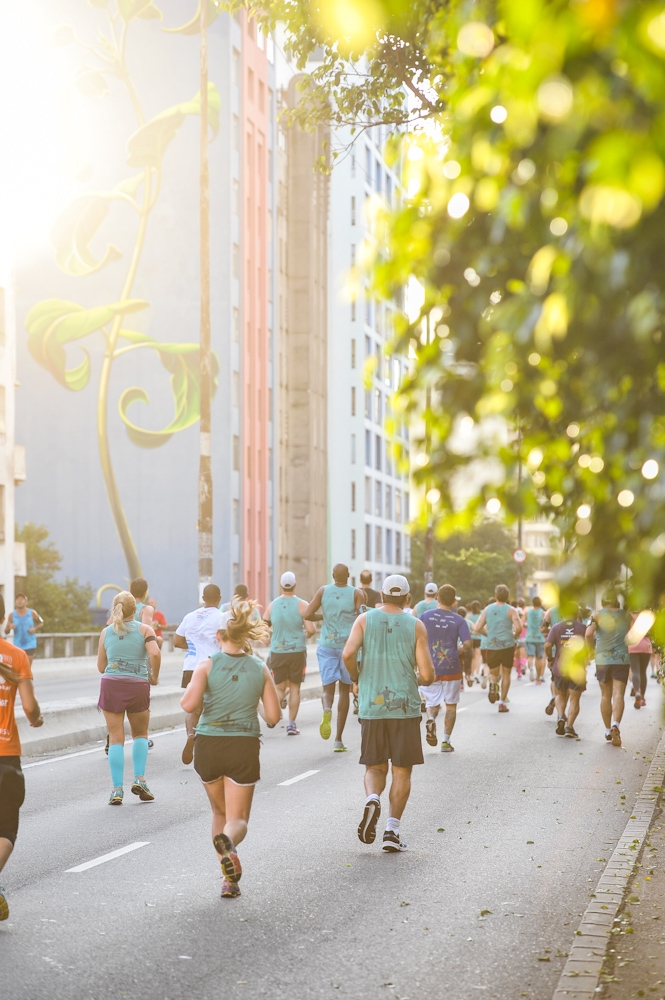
x,y
478,626
359,598
10,624
517,622
38,620
549,650
310,627
192,699
102,658
146,615
29,702
266,614
424,666
313,606
180,640
590,633
353,644
153,650
272,711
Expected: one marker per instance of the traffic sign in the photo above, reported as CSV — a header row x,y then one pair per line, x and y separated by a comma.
x,y
519,555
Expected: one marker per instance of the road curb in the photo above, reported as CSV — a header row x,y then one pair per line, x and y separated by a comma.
x,y
581,973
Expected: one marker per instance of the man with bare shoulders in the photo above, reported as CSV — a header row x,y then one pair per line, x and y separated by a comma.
x,y
503,625
288,645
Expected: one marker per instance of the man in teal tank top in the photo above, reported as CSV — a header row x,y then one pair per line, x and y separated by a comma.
x,y
395,660
535,641
138,588
339,605
609,627
288,645
502,625
430,602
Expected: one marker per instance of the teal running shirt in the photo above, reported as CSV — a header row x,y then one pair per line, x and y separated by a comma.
x,y
423,606
500,633
126,654
534,618
387,685
338,606
232,695
288,628
612,626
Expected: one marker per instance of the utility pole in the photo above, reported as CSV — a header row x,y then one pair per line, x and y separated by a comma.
x,y
429,533
205,463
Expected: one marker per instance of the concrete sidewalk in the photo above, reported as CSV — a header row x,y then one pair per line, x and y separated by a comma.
x,y
71,721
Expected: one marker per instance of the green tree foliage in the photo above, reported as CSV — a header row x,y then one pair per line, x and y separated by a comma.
x,y
473,562
64,606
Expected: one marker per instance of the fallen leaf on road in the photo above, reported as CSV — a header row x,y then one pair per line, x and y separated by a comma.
x,y
546,958
403,903
529,841
484,913
441,829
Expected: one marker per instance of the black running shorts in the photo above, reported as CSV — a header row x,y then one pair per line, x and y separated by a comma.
x,y
186,677
476,643
565,684
12,794
234,757
501,658
288,667
607,673
397,740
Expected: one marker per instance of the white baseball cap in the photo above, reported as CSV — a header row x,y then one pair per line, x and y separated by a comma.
x,y
395,585
288,580
431,588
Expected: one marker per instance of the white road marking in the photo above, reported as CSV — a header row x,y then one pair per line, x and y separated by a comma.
x,y
299,777
110,856
82,753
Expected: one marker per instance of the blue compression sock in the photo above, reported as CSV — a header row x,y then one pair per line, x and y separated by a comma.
x,y
140,755
117,763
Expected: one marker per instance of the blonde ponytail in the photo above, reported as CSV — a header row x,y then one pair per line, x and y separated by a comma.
x,y
9,674
241,629
124,606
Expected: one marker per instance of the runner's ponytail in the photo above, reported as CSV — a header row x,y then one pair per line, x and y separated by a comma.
x,y
124,606
241,628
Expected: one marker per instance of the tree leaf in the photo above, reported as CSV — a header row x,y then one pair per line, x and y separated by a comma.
x,y
182,360
91,82
55,322
74,229
129,9
192,27
148,144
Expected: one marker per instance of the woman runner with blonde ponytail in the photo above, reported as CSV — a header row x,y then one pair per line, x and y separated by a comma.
x,y
226,690
129,659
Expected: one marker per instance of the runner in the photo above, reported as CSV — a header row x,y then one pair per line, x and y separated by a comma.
x,y
158,621
288,646
465,652
15,675
567,656
372,597
224,696
484,646
339,605
25,623
535,641
640,657
198,629
503,626
129,658
394,649
138,588
610,627
520,645
429,603
446,630
476,659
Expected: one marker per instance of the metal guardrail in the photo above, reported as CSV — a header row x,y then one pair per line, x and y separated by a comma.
x,y
58,645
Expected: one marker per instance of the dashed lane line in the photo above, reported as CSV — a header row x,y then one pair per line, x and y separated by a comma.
x,y
83,753
109,857
299,777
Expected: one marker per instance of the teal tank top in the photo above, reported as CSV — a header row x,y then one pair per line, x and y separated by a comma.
x,y
126,654
534,619
288,628
232,695
338,606
387,685
500,633
612,627
139,609
423,606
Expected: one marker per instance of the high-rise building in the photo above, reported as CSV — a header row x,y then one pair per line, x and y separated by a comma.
x,y
12,455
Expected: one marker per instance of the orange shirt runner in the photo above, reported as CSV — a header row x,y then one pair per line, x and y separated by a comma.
x,y
12,656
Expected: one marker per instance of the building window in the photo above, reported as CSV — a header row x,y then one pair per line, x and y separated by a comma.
x,y
368,495
378,492
389,187
368,312
236,389
236,196
368,404
236,325
353,164
353,543
236,453
353,254
236,517
353,210
398,506
236,573
353,496
368,448
353,353
377,406
353,400
236,260
353,311
406,506
236,133
389,546
377,175
249,461
353,449
368,346
262,96
398,548
250,84
377,544
389,503
368,542
377,454
368,165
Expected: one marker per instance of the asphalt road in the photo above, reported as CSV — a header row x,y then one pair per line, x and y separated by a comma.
x,y
527,820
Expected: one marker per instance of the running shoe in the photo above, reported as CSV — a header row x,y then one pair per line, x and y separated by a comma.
x,y
355,704
188,750
229,859
493,694
561,727
638,700
615,736
292,729
325,728
549,708
423,707
140,788
632,692
116,797
339,747
150,744
483,682
230,889
430,728
608,736
4,905
503,707
644,704
446,747
570,733
367,827
532,674
392,843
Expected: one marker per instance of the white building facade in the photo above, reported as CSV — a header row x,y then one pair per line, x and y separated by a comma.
x,y
12,456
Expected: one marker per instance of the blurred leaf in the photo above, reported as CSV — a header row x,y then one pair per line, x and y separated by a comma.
x,y
75,228
129,9
192,27
147,145
91,82
183,361
63,35
54,323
